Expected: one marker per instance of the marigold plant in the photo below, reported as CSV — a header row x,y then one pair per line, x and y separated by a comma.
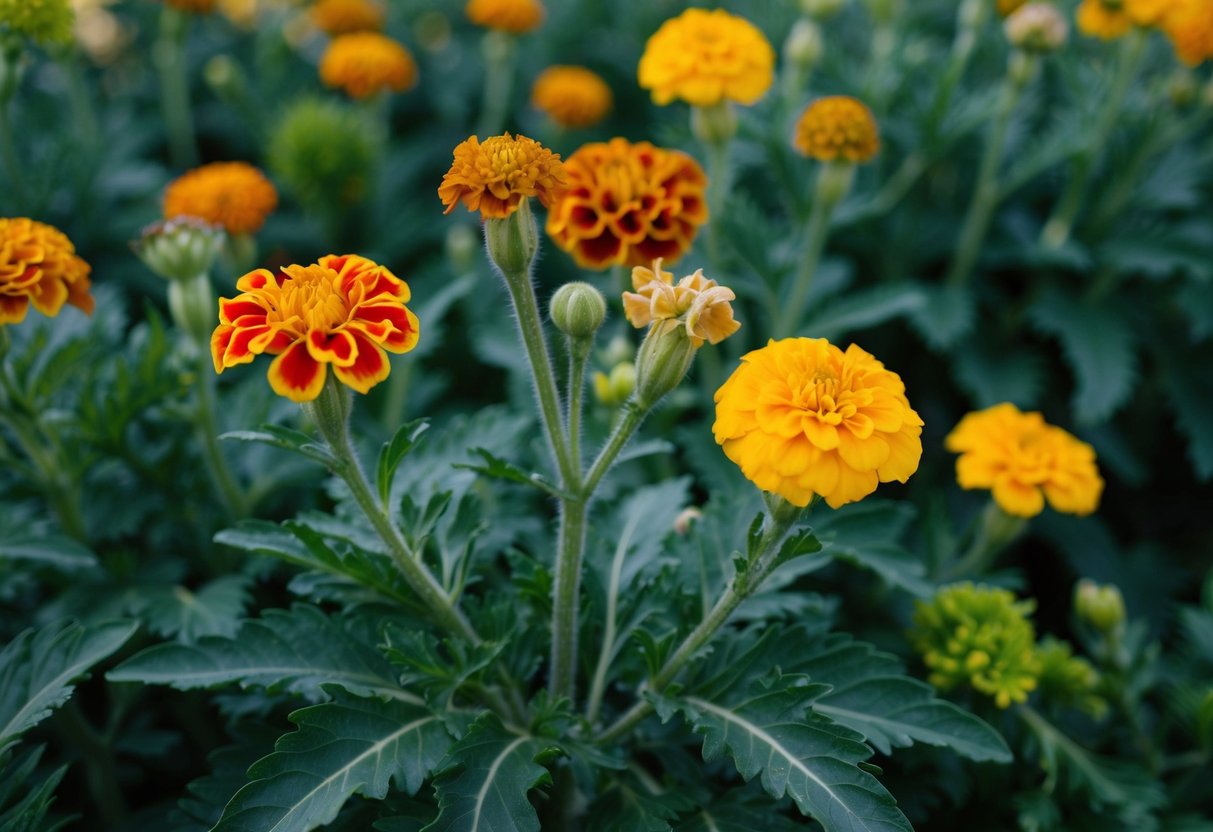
x,y
628,204
802,418
343,312
695,302
1023,461
514,16
494,176
706,57
39,267
234,195
367,63
341,17
572,96
837,128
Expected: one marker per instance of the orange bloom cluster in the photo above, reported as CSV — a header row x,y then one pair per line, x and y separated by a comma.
x,y
629,204
1190,28
572,96
39,266
343,312
340,17
1103,19
494,177
837,127
696,302
514,16
367,63
233,195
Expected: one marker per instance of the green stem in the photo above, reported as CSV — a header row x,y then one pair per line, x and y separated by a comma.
x,y
719,175
995,531
233,496
566,597
890,194
630,415
971,17
1057,230
987,192
579,356
498,49
169,57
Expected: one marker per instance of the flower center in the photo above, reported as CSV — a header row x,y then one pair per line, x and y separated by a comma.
x,y
824,395
505,156
312,295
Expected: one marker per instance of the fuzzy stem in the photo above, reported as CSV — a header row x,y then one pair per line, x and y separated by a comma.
x,y
234,498
579,356
566,598
631,414
833,183
169,57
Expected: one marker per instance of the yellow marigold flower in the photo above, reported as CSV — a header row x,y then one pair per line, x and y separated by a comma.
x,y
572,96
1190,28
340,17
1149,12
696,302
366,63
1024,460
706,57
515,16
39,266
343,311
233,195
192,6
979,636
803,418
493,177
42,21
629,204
1106,19
1006,7
836,128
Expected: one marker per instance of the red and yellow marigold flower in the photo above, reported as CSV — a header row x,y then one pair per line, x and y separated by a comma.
x,y
706,57
494,176
697,303
1023,460
1190,28
572,96
233,195
837,128
1106,19
801,418
342,312
629,204
341,17
514,16
39,266
367,63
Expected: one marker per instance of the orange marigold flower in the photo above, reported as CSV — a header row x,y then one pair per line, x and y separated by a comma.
x,y
696,302
800,417
343,311
706,57
39,266
1190,28
835,128
366,63
193,6
1149,12
515,16
629,204
234,195
1106,19
1005,7
1023,460
572,96
493,177
340,17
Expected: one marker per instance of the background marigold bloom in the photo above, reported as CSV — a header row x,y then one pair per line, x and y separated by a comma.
x,y
1103,19
1024,460
1149,12
1190,28
1005,7
516,16
39,266
493,177
706,57
193,6
801,417
981,637
698,302
836,128
340,17
366,63
343,311
42,21
629,204
233,195
572,96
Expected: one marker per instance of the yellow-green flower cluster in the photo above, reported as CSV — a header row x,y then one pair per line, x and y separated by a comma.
x,y
1066,679
978,636
42,21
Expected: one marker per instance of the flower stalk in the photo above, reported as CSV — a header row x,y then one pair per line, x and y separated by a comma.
x,y
499,50
168,54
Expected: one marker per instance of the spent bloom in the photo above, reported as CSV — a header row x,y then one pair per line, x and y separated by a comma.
x,y
39,266
341,17
1106,19
514,16
837,128
695,302
234,195
1023,460
367,63
1190,28
801,418
572,96
707,57
628,204
494,176
978,636
343,312
1037,27
42,21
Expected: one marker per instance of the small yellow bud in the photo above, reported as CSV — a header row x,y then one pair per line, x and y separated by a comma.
x,y
613,390
1102,607
578,309
804,44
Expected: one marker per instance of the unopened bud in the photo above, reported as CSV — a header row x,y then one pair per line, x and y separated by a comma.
x,y
715,124
685,518
1039,28
179,249
804,44
1182,88
1102,607
193,305
578,309
614,389
512,242
822,9
663,361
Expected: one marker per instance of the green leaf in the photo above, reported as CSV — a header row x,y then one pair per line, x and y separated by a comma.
x,y
394,452
863,309
290,651
947,315
37,669
286,438
484,782
770,733
738,811
627,806
228,767
498,468
344,747
55,552
865,534
23,804
1185,379
992,374
213,610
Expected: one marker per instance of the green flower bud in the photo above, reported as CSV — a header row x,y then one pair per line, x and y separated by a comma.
x,y
193,304
513,242
578,309
804,44
179,249
1102,607
822,9
462,247
1038,28
663,361
714,125
325,152
614,390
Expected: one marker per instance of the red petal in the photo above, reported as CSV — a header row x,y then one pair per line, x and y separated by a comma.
x,y
369,368
296,375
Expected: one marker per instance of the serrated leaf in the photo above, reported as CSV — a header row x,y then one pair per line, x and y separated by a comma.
x,y
287,439
498,468
1186,382
24,805
991,375
227,767
738,811
484,782
214,609
394,452
38,668
344,747
863,309
865,534
946,316
291,651
55,552
629,807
